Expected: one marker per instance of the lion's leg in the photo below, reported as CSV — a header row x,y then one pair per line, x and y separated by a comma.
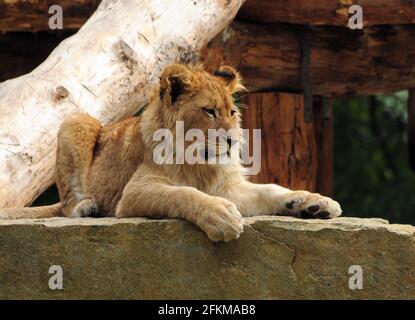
x,y
159,198
270,199
76,141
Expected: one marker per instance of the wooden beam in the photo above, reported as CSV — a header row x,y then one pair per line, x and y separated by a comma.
x,y
294,154
374,60
328,12
22,15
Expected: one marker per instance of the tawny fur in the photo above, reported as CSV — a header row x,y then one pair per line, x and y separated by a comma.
x,y
107,171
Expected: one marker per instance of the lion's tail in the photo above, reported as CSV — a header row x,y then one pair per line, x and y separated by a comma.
x,y
54,210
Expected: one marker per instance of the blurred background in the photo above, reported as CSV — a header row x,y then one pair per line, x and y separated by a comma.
x,y
372,172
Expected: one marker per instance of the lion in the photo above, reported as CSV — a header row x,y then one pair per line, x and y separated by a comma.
x,y
110,171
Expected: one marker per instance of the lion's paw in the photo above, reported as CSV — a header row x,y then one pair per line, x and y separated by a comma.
x,y
306,205
221,220
85,208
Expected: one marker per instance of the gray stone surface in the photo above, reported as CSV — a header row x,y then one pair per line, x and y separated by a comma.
x,y
275,258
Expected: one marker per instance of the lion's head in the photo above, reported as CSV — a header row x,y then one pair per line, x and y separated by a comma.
x,y
198,100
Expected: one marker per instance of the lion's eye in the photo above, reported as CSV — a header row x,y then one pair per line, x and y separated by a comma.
x,y
211,112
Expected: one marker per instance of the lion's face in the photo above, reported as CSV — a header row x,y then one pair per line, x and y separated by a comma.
x,y
202,101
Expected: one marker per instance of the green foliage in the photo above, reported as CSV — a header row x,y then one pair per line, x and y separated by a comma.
x,y
372,174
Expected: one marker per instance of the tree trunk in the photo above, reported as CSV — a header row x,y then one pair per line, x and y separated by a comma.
x,y
329,12
377,59
106,69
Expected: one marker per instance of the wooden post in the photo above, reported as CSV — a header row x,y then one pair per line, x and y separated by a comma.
x,y
294,154
288,150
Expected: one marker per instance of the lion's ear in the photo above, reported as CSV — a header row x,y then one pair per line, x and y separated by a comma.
x,y
175,81
231,78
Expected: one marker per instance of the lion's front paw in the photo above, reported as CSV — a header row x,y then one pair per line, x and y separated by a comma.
x,y
303,204
221,220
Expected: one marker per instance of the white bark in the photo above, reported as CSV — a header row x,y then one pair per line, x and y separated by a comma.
x,y
106,69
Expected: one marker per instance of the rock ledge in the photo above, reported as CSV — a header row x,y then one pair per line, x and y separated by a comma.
x,y
275,258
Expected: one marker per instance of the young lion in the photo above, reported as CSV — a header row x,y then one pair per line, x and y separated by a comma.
x,y
107,171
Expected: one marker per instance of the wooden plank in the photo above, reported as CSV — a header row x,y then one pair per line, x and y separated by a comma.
x,y
328,12
343,62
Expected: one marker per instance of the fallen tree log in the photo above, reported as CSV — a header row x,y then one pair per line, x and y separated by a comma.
x,y
343,61
329,12
106,69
